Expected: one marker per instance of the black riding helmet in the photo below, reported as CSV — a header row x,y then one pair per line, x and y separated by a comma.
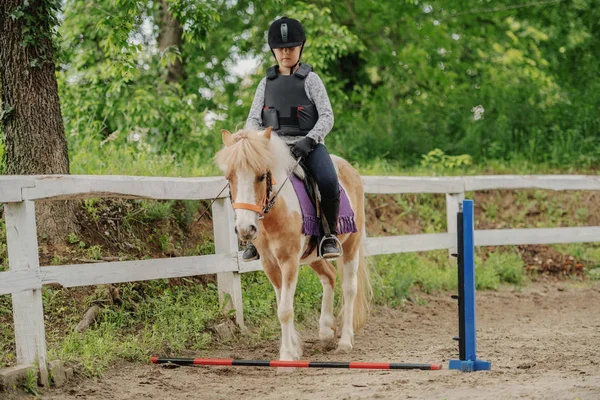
x,y
286,32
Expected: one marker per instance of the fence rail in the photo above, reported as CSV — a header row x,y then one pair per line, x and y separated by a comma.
x,y
25,278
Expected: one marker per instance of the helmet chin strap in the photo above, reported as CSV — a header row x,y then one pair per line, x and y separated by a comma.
x,y
299,57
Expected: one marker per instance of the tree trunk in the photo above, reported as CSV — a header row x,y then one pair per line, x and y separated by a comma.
x,y
34,134
170,35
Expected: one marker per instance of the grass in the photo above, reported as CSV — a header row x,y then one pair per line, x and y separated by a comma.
x,y
395,276
500,267
154,318
30,385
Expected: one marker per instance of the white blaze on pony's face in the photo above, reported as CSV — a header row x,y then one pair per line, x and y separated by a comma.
x,y
246,221
245,161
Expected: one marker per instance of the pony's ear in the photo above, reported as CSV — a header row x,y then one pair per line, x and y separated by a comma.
x,y
267,132
227,138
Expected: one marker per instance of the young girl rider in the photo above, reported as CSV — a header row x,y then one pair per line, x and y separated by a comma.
x,y
293,101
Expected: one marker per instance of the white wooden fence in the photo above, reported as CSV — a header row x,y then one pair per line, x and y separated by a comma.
x,y
25,278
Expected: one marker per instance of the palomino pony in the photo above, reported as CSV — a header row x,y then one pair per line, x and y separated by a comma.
x,y
256,164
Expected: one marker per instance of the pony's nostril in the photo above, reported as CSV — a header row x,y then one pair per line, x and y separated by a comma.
x,y
235,230
253,229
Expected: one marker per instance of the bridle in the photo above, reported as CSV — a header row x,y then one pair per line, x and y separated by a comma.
x,y
268,202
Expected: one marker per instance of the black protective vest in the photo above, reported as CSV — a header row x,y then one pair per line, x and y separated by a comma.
x,y
287,108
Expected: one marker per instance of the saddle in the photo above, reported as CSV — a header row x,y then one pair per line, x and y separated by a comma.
x,y
314,224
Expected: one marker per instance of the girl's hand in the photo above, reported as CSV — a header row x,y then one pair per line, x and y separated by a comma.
x,y
303,147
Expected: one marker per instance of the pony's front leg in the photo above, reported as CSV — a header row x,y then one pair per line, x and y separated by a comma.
x,y
291,348
349,291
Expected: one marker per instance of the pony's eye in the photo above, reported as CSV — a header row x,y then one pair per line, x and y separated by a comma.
x,y
262,177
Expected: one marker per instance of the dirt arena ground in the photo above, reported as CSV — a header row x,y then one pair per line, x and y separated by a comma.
x,y
543,342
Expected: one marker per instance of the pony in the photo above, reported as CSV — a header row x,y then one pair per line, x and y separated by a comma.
x,y
256,164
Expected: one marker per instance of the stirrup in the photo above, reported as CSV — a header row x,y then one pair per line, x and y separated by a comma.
x,y
334,237
256,255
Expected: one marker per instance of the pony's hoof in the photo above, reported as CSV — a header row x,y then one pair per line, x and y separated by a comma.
x,y
327,345
287,356
327,339
326,335
343,348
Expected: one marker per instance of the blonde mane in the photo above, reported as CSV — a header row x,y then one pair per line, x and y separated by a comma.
x,y
252,151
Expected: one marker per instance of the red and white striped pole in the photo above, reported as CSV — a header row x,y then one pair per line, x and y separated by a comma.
x,y
293,364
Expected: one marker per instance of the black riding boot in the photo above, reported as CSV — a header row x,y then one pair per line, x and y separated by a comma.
x,y
251,253
330,247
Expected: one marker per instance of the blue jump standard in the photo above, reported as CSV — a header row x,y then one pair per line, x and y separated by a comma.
x,y
467,361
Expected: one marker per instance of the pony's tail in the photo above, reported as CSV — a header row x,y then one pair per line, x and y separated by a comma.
x,y
364,294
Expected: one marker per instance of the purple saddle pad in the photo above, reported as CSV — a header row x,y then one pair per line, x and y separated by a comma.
x,y
310,223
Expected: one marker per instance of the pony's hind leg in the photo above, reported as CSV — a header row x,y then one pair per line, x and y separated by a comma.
x,y
326,272
356,289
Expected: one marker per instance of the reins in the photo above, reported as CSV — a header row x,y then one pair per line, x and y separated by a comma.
x,y
272,201
213,202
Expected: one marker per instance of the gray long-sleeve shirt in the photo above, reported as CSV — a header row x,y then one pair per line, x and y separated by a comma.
x,y
316,92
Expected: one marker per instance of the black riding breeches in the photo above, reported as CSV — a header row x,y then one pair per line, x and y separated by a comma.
x,y
319,164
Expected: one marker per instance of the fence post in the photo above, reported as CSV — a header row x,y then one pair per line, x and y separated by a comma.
x,y
453,201
229,283
28,310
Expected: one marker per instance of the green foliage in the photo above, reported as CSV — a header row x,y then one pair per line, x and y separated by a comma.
x,y
91,207
157,210
164,242
30,383
94,252
594,273
397,275
3,249
157,320
403,77
112,89
499,267
206,247
260,305
187,214
405,80
56,260
72,238
7,335
38,22
588,253
437,160
508,266
2,149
